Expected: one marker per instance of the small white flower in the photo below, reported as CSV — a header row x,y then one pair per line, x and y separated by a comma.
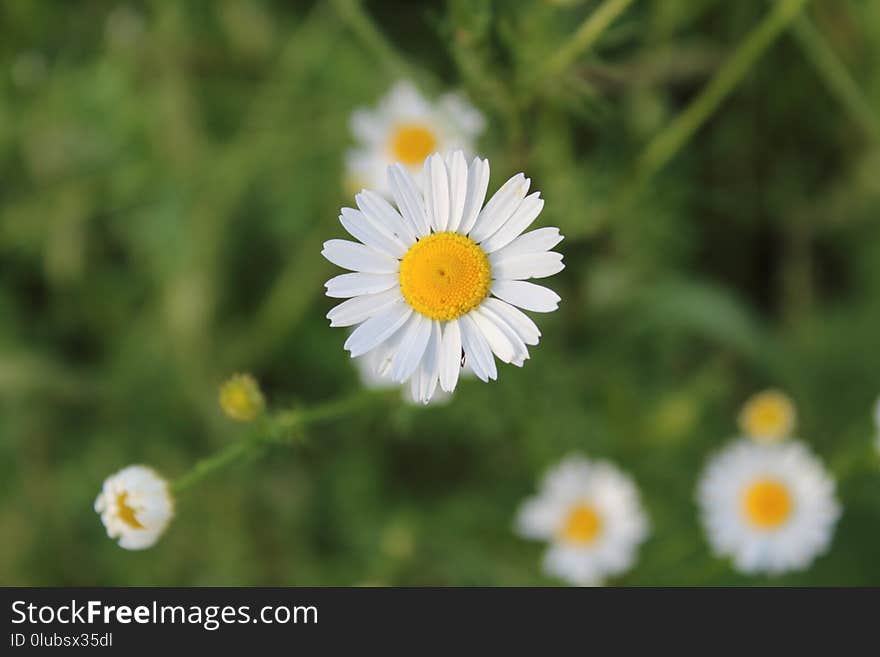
x,y
769,507
406,128
590,513
442,274
136,506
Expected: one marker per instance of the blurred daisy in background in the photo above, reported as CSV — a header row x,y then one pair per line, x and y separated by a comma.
x,y
590,513
135,506
768,416
439,280
769,507
406,127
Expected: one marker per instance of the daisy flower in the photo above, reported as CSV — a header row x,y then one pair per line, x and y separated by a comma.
x,y
771,508
768,416
407,128
441,275
136,506
590,513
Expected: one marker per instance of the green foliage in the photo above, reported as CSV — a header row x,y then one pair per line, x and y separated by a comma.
x,y
168,172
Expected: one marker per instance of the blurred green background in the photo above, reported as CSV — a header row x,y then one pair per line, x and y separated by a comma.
x,y
168,172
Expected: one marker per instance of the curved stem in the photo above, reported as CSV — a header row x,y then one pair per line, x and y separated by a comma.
x,y
278,428
585,36
665,145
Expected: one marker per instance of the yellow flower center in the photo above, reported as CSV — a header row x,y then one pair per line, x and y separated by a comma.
x,y
767,504
582,526
768,416
125,512
241,398
444,276
411,143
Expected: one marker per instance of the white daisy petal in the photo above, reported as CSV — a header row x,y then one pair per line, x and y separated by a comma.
x,y
370,233
377,329
524,216
416,333
477,184
358,257
458,187
361,308
532,265
367,126
497,340
437,192
527,296
520,322
384,217
352,285
521,352
430,365
408,198
477,350
537,241
500,207
450,356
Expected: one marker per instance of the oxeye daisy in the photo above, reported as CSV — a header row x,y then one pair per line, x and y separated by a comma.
x,y
590,513
768,416
771,508
441,276
407,128
136,506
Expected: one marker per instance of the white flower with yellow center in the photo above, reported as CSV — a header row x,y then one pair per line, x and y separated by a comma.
x,y
136,506
771,508
768,416
440,276
407,128
590,513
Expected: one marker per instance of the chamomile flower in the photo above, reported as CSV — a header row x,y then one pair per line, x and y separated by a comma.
x,y
407,128
136,506
768,416
439,279
769,507
590,513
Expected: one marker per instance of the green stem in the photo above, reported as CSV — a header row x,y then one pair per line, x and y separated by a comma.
x,y
277,428
585,36
353,15
835,76
664,146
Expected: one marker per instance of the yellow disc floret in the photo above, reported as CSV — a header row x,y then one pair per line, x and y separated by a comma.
x,y
768,416
411,143
241,398
767,504
582,526
444,276
125,512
